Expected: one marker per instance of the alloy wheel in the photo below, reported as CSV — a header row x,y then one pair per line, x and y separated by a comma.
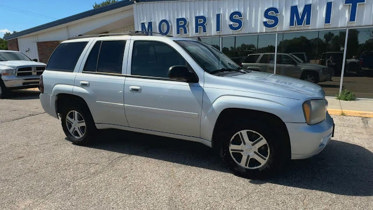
x,y
75,124
249,149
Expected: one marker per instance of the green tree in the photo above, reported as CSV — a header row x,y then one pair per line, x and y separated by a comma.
x,y
105,3
3,42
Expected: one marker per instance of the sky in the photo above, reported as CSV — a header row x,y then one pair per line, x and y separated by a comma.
x,y
19,15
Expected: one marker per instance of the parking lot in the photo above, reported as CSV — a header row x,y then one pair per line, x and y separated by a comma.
x,y
41,170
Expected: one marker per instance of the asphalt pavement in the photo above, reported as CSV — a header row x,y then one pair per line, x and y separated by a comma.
x,y
40,169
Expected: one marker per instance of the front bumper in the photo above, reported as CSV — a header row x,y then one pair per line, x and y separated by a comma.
x,y
309,140
21,82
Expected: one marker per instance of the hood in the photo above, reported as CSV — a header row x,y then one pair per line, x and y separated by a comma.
x,y
15,64
277,85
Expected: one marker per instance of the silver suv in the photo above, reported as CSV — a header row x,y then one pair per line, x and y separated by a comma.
x,y
184,89
288,65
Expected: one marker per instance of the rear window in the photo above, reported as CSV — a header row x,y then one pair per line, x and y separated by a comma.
x,y
251,59
65,57
267,58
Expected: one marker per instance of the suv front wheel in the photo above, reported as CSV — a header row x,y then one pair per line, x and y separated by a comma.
x,y
252,150
77,124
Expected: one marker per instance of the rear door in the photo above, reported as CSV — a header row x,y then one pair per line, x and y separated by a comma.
x,y
101,81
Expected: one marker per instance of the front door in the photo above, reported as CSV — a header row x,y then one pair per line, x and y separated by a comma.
x,y
152,100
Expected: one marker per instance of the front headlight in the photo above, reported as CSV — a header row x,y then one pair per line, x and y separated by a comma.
x,y
314,111
7,72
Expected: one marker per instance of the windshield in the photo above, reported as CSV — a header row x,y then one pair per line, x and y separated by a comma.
x,y
208,57
13,56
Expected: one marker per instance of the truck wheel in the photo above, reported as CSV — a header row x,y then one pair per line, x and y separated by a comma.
x,y
311,77
253,150
77,123
3,90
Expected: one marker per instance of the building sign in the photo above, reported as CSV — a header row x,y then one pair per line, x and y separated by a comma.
x,y
223,17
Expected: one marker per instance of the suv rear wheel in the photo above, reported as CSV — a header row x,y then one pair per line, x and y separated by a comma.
x,y
252,149
77,123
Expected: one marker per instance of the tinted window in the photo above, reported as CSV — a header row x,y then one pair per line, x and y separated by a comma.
x,y
154,59
106,56
66,55
251,59
111,57
267,58
91,63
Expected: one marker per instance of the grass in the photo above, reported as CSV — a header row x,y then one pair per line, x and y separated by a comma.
x,y
346,95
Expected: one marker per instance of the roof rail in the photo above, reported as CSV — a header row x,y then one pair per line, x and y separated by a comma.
x,y
130,33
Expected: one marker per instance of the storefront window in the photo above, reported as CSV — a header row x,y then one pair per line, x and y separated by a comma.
x,y
358,75
213,41
243,49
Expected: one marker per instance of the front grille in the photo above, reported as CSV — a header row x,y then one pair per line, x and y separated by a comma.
x,y
40,70
25,71
30,71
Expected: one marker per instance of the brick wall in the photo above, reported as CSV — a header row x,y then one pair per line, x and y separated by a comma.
x,y
45,50
13,44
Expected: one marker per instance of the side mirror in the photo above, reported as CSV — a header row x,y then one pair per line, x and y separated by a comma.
x,y
36,60
181,73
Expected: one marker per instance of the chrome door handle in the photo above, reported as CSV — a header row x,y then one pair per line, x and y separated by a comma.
x,y
84,83
135,88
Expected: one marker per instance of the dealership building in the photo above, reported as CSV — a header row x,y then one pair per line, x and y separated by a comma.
x,y
335,33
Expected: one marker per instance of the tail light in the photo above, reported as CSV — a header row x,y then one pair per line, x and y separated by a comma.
x,y
41,84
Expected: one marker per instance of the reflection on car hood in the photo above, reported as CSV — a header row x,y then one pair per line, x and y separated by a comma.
x,y
311,66
279,85
20,63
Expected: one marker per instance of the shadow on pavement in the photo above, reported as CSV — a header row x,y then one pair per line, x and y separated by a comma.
x,y
342,168
23,94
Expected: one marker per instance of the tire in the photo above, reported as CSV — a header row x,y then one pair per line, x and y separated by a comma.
x,y
78,124
3,90
311,77
253,149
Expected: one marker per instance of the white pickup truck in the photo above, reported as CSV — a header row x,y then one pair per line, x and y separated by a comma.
x,y
18,71
182,88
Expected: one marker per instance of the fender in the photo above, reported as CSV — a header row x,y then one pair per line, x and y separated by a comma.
x,y
286,112
57,89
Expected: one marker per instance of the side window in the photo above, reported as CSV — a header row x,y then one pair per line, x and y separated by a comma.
x,y
285,59
251,59
267,58
154,59
65,57
91,63
106,56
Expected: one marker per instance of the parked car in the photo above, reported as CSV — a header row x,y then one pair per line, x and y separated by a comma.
x,y
334,60
182,88
18,71
366,60
287,65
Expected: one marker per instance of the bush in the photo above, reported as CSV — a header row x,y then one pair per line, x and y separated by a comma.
x,y
346,95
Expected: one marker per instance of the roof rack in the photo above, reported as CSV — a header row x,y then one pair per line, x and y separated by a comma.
x,y
130,33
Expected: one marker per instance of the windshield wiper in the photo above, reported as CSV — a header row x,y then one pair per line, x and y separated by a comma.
x,y
222,70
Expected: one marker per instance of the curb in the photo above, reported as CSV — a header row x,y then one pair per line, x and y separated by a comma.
x,y
350,113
